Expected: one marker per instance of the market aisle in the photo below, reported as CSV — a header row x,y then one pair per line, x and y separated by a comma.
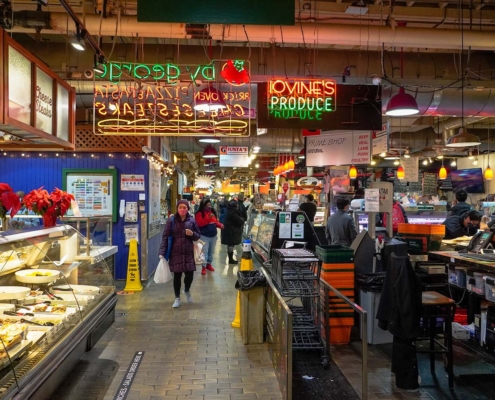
x,y
190,353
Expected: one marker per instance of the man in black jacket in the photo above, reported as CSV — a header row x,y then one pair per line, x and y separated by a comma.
x,y
464,225
459,205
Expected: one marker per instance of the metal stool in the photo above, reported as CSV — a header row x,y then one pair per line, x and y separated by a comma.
x,y
436,306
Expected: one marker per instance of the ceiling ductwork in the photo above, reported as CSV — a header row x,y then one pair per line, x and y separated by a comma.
x,y
320,34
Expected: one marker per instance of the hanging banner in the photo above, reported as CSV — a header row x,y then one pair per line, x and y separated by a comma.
x,y
411,169
380,140
234,156
340,148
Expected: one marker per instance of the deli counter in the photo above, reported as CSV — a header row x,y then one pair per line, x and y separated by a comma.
x,y
56,301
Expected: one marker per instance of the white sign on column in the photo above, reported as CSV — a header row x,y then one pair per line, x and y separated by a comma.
x,y
411,169
340,148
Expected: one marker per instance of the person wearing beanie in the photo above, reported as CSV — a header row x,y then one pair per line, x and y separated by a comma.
x,y
206,218
232,231
184,233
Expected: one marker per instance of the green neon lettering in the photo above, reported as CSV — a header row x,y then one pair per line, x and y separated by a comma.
x,y
146,69
112,76
193,76
310,115
311,104
159,72
204,72
318,116
292,103
171,70
318,106
283,103
127,67
328,104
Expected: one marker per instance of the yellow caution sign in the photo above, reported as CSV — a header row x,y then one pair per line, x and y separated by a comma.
x,y
133,280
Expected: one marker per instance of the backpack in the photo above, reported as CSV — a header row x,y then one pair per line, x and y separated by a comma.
x,y
397,217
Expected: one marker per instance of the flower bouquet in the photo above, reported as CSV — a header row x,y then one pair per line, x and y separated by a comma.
x,y
49,206
8,201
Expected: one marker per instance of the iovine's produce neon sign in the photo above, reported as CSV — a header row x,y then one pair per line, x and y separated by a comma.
x,y
305,99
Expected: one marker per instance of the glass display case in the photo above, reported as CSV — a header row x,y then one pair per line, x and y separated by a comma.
x,y
56,301
321,216
260,228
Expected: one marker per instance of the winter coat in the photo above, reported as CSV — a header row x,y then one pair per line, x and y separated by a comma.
x,y
232,230
460,209
205,226
182,254
222,208
454,227
400,305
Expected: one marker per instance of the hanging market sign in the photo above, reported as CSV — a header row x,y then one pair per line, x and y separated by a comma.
x,y
234,156
380,140
303,99
157,109
342,148
233,71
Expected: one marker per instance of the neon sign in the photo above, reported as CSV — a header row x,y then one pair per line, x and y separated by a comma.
x,y
233,72
304,99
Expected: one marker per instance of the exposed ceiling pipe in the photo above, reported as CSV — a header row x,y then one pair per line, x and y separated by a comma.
x,y
322,34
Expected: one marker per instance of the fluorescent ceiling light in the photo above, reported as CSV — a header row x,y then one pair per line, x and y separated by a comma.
x,y
209,140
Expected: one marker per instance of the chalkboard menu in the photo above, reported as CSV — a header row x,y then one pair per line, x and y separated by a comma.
x,y
429,184
400,186
445,184
415,186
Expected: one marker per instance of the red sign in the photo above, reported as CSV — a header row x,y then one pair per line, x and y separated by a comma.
x,y
311,132
285,187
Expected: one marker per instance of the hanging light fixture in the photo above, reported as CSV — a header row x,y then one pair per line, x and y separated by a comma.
x,y
77,41
292,165
402,104
406,154
353,172
210,99
400,172
463,139
425,162
373,162
396,162
302,154
256,147
488,171
442,174
210,152
453,163
209,140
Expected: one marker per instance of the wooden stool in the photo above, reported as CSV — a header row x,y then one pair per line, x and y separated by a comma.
x,y
436,305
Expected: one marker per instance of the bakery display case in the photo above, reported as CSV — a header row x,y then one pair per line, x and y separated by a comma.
x,y
260,230
56,300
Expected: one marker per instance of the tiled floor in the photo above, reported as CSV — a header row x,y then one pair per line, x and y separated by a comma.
x,y
191,353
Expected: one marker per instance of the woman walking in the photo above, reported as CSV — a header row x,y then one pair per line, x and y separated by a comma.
x,y
206,218
184,230
232,231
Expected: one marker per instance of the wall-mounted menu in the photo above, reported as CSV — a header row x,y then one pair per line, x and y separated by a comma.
x,y
415,186
429,184
400,186
445,184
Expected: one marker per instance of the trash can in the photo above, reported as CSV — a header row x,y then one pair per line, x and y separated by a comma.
x,y
252,294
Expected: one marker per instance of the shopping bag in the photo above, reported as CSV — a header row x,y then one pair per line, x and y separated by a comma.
x,y
162,273
199,257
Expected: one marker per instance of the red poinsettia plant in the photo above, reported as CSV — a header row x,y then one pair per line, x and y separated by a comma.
x,y
49,206
8,201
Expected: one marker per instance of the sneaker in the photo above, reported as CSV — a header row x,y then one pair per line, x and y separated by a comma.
x,y
188,296
176,303
209,267
203,271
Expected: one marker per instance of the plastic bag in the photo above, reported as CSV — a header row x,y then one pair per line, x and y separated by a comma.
x,y
162,273
250,279
199,257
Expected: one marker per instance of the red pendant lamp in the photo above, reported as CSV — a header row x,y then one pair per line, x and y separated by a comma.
x,y
400,172
210,152
353,172
402,104
210,99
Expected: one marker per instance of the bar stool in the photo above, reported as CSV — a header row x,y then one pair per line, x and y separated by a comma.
x,y
436,305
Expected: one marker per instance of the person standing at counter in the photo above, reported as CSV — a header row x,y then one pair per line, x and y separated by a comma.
x,y
232,231
206,217
184,232
340,229
464,225
309,207
459,205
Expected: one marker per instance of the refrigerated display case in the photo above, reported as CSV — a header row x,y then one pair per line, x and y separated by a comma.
x,y
56,301
260,231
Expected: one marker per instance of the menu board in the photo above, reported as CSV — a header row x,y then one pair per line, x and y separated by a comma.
x,y
400,186
415,186
445,184
95,190
429,184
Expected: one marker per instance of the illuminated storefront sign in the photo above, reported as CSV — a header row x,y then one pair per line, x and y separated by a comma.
x,y
233,72
304,99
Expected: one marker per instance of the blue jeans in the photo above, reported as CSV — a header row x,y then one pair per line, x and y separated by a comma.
x,y
209,247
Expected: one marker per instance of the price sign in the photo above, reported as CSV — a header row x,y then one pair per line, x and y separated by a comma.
x,y
429,184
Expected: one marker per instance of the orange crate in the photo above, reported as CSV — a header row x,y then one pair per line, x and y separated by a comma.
x,y
342,267
338,278
422,229
339,334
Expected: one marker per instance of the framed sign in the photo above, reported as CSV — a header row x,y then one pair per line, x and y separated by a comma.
x,y
95,190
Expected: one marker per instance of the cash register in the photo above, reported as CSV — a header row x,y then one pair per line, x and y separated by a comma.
x,y
481,247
